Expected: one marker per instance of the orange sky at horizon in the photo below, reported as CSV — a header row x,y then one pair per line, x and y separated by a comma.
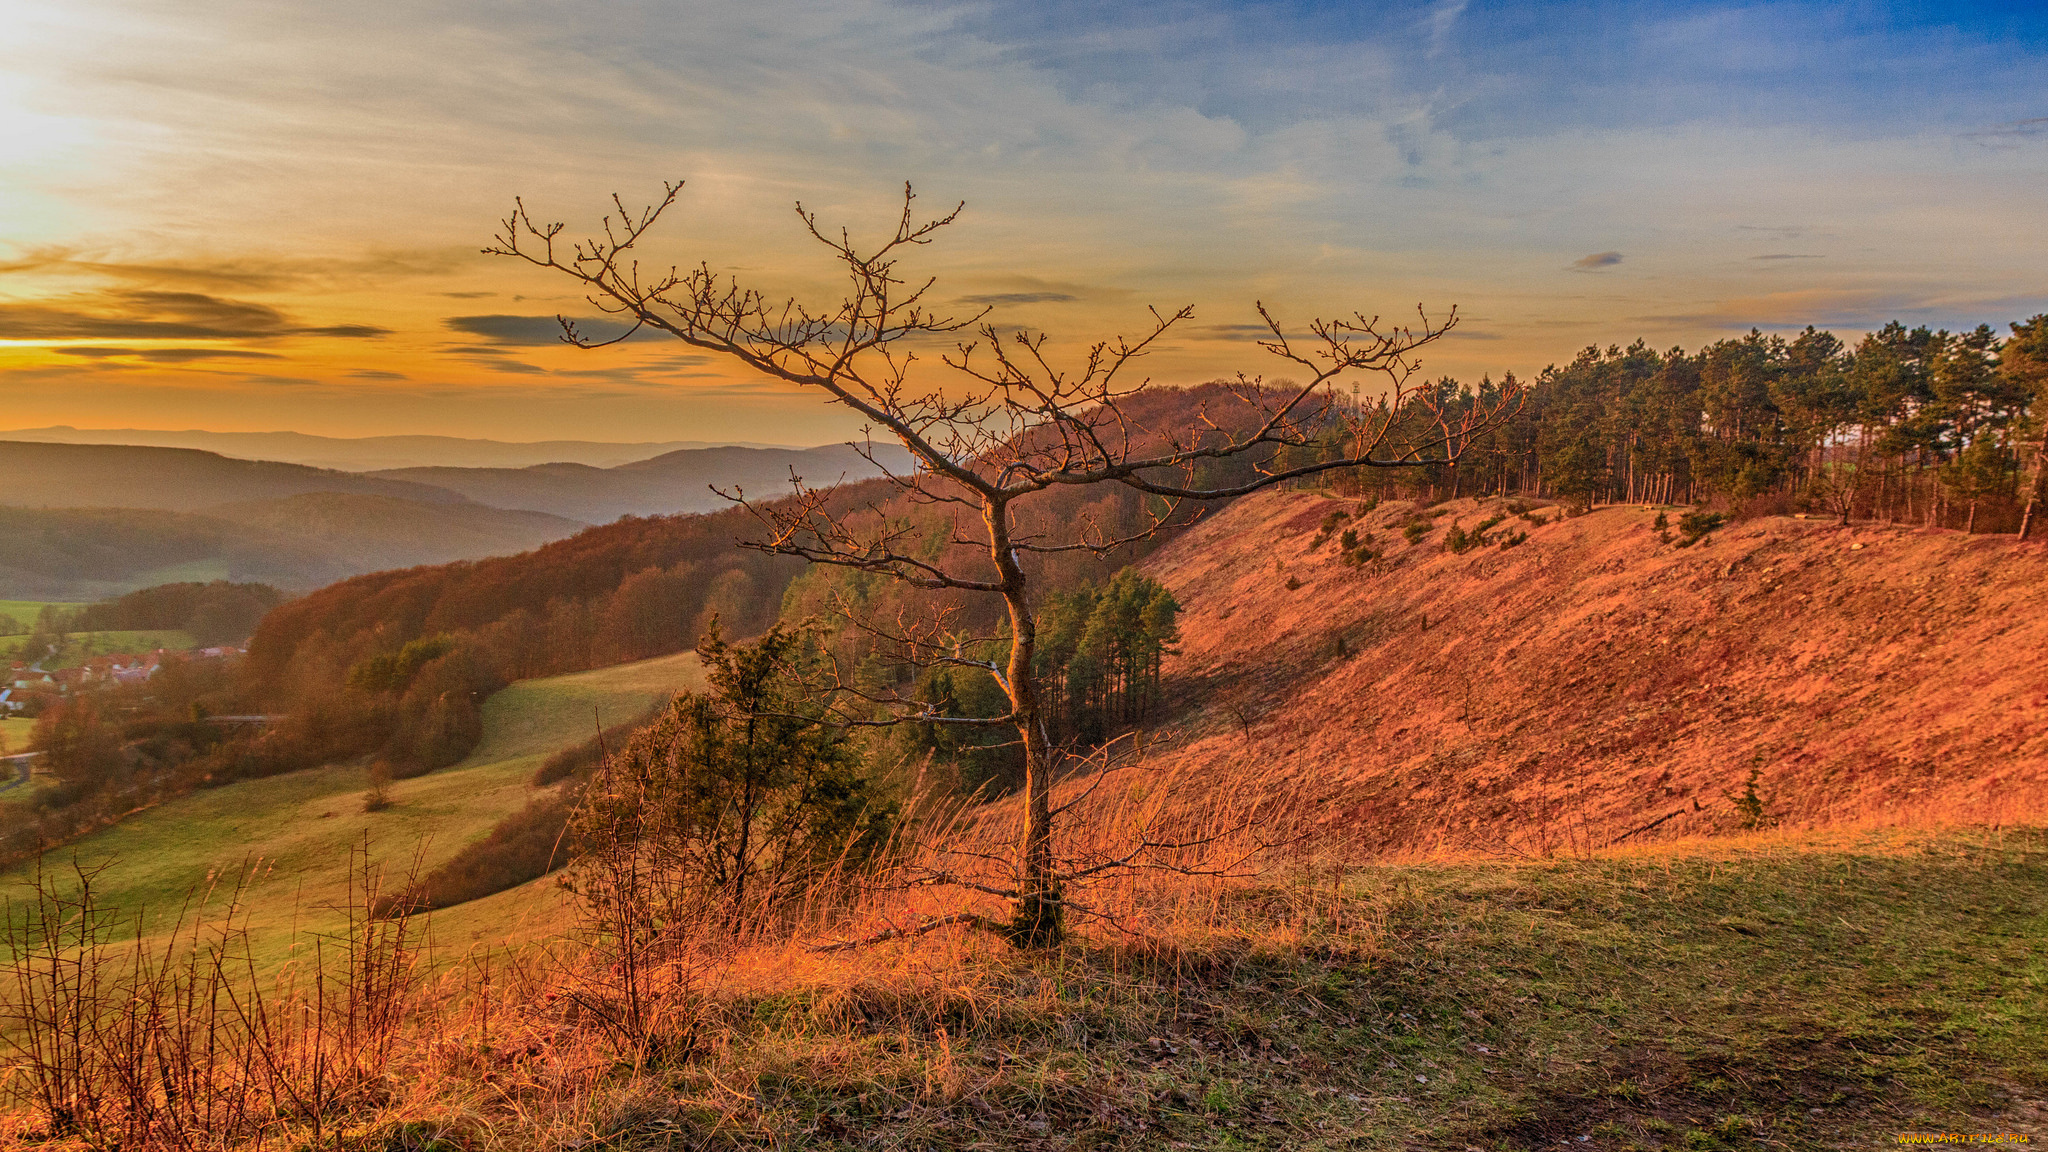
x,y
255,217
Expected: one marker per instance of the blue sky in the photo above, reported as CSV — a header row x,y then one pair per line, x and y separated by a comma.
x,y
1564,173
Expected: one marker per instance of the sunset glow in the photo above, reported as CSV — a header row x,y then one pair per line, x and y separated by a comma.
x,y
252,215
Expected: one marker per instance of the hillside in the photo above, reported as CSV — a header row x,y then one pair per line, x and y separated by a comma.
x,y
171,479
90,553
1594,681
677,481
377,532
296,542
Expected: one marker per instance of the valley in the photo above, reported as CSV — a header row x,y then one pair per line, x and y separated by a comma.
x,y
1420,576
291,838
87,521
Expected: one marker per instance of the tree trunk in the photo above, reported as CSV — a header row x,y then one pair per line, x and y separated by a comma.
x,y
1039,921
2040,492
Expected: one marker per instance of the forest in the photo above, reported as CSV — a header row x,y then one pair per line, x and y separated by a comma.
x,y
1907,425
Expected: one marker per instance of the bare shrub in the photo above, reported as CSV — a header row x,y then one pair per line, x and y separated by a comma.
x,y
182,1039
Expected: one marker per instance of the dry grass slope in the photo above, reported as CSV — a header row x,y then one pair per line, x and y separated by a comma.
x,y
1593,679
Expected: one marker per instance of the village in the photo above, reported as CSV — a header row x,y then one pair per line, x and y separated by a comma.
x,y
30,687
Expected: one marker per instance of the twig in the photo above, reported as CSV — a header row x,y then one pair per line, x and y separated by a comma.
x,y
892,933
1644,828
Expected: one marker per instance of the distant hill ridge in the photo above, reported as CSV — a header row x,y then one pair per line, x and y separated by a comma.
x,y
47,475
677,481
35,475
93,520
370,453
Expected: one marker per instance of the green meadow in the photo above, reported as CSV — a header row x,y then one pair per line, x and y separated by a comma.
x,y
19,616
287,838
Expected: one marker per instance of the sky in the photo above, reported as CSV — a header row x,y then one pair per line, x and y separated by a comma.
x,y
252,215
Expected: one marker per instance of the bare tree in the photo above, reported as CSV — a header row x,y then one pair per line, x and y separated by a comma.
x,y
1005,421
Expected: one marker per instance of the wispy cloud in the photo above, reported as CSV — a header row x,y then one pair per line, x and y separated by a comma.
x,y
1825,307
1320,157
164,355
155,315
542,330
1442,18
2011,134
1596,261
243,273
1002,298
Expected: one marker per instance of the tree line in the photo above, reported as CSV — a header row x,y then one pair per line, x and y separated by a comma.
x,y
1912,425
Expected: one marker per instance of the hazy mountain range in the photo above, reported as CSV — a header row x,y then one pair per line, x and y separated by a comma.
x,y
83,521
172,479
672,482
369,453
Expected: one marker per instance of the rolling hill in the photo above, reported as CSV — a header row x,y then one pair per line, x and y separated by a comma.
x,y
673,482
296,542
1596,685
377,532
171,479
92,553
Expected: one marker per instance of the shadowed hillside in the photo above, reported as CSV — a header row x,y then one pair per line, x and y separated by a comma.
x,y
296,542
1594,681
375,532
174,479
89,553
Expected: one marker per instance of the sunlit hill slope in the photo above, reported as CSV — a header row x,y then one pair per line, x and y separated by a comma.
x,y
1596,684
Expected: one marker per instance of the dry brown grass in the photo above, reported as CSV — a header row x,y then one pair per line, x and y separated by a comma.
x,y
1292,997
355,1036
1594,679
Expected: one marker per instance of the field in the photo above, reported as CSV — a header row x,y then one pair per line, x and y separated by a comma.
x,y
1760,991
1765,991
14,734
1801,989
82,646
291,832
17,617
